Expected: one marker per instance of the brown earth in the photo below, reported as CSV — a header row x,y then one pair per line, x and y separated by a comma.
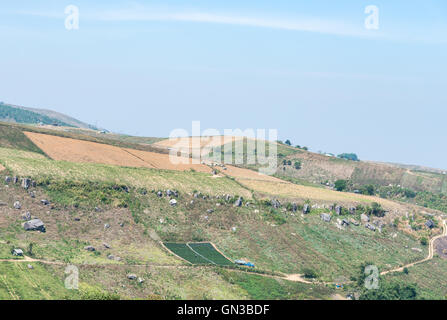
x,y
73,150
441,247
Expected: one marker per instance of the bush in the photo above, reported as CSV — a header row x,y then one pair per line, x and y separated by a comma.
x,y
297,165
424,241
309,274
349,156
288,142
341,185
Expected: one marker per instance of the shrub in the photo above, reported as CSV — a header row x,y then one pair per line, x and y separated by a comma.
x,y
341,185
309,273
424,241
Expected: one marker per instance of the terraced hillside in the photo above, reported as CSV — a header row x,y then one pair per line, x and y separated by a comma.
x,y
111,220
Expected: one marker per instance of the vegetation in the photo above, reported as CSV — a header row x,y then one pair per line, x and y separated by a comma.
x,y
9,113
349,156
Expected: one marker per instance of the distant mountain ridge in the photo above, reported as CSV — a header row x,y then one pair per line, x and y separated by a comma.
x,y
20,114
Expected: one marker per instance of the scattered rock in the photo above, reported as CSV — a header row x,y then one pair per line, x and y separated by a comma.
x,y
159,194
430,224
306,208
338,210
15,180
77,219
30,267
275,203
352,210
364,218
45,202
106,226
131,276
370,227
238,202
26,183
90,248
98,209
8,179
294,207
209,211
140,280
27,216
34,225
17,205
32,194
325,217
173,202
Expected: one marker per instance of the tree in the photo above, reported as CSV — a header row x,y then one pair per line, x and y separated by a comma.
x,y
424,241
288,142
341,185
305,148
368,190
297,165
349,156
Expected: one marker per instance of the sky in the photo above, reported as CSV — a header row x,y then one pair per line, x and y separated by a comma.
x,y
310,69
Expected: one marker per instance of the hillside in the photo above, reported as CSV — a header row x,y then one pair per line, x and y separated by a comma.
x,y
19,114
128,203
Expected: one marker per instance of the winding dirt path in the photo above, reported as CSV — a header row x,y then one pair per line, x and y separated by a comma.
x,y
431,251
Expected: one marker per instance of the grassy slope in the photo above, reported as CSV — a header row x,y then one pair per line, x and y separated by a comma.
x,y
12,137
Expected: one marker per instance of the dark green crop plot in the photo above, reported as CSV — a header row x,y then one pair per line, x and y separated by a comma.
x,y
198,253
208,251
182,250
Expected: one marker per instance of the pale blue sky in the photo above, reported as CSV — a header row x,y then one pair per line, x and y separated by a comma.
x,y
307,68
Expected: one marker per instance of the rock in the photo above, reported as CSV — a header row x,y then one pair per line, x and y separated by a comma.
x,y
233,229
370,227
17,205
131,276
227,197
169,193
3,204
275,203
33,184
345,222
32,194
45,202
294,207
34,225
364,218
30,267
159,194
173,202
77,219
26,183
306,208
8,179
430,224
98,209
15,180
354,222
338,210
90,248
238,202
106,226
209,211
140,280
111,257
325,217
27,216
352,210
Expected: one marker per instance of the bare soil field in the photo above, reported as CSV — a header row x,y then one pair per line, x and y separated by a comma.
x,y
196,142
240,173
73,150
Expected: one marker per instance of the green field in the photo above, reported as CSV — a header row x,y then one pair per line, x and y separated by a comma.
x,y
198,253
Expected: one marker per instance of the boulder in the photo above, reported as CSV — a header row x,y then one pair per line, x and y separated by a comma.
x,y
238,202
131,276
32,194
338,210
294,207
27,216
430,224
15,180
352,210
90,248
26,183
275,203
17,205
45,202
34,225
169,193
159,194
345,222
209,211
364,217
370,227
173,202
306,208
8,179
325,217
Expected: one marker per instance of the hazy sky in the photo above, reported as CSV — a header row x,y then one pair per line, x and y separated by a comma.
x,y
307,68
